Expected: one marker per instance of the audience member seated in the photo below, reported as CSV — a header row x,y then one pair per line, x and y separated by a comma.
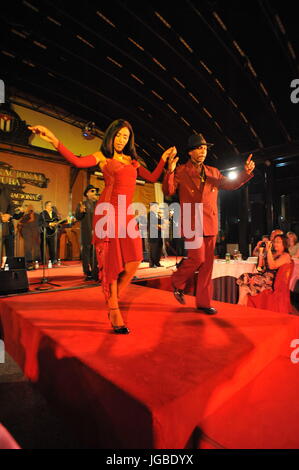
x,y
293,244
276,231
265,238
251,284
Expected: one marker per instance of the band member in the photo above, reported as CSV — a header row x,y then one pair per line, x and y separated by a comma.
x,y
199,183
84,213
154,224
6,227
141,219
118,256
7,214
48,219
29,229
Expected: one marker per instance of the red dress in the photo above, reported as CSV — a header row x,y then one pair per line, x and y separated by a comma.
x,y
113,252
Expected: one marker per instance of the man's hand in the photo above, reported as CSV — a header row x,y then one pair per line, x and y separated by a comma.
x,y
82,207
249,165
172,162
172,151
5,217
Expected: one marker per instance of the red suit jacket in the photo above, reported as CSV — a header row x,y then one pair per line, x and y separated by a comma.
x,y
191,189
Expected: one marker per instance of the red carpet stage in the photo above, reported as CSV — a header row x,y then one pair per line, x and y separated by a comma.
x,y
158,386
262,415
70,276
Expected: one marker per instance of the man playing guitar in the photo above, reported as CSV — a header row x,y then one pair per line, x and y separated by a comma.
x,y
48,220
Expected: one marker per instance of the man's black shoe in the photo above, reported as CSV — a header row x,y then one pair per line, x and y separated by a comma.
x,y
179,295
207,310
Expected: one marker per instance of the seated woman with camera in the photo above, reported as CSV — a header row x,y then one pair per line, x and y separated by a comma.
x,y
260,244
270,258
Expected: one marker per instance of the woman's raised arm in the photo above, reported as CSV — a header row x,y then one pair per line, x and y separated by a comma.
x,y
154,176
79,162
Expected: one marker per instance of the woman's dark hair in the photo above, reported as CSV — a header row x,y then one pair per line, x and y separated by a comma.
x,y
108,139
284,241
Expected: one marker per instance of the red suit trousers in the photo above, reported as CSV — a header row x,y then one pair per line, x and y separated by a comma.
x,y
201,260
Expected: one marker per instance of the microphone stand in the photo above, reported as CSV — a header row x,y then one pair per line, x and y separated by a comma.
x,y
44,279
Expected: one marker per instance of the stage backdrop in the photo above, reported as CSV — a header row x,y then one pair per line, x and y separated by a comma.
x,y
34,182
70,135
24,176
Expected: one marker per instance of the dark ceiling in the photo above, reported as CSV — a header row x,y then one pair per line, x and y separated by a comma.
x,y
223,68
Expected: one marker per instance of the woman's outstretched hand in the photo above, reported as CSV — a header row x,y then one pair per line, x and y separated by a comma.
x,y
45,134
172,159
172,151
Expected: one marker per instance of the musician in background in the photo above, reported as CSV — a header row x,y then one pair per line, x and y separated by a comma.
x,y
48,219
84,213
7,214
29,229
154,225
141,219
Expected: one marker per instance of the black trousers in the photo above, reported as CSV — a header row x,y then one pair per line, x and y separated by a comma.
x,y
89,261
51,243
32,245
155,251
8,244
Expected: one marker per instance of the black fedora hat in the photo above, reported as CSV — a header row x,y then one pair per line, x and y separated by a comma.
x,y
90,186
196,140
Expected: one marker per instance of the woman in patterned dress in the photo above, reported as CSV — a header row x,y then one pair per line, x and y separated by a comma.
x,y
253,284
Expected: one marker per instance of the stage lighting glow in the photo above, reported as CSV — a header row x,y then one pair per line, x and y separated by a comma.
x,y
87,131
232,175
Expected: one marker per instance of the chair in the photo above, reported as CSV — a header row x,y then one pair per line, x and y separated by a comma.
x,y
277,300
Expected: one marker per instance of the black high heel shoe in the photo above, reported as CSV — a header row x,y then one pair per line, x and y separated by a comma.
x,y
118,330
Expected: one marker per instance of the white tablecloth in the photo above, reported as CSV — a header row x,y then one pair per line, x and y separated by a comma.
x,y
224,277
236,268
233,268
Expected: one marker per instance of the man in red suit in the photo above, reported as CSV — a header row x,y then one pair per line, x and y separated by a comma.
x,y
199,183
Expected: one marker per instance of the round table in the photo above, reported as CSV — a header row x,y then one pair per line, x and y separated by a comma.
x,y
224,278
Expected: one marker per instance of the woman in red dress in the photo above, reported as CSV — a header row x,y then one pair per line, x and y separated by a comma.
x,y
252,283
118,245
